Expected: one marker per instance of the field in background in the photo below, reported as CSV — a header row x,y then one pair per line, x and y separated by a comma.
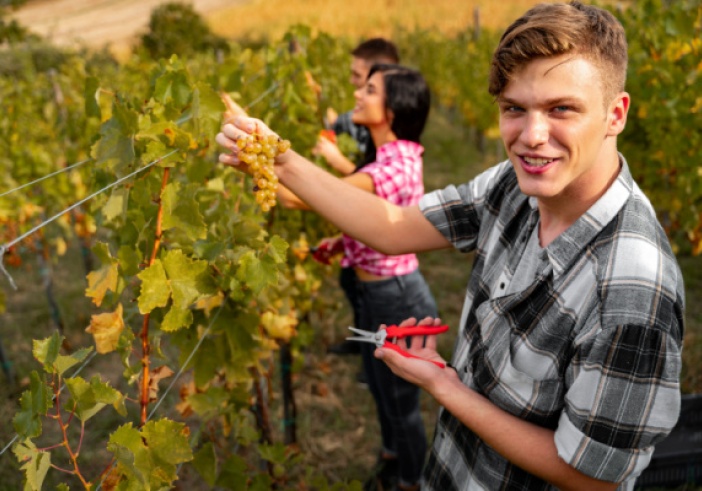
x,y
337,425
268,19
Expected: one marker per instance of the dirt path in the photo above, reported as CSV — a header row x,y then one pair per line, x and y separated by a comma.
x,y
97,23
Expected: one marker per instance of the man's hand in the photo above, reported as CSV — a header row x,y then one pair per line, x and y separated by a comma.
x,y
240,127
418,372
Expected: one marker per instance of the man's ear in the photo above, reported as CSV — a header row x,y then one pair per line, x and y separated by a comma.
x,y
617,113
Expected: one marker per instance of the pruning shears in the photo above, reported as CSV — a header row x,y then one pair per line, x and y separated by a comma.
x,y
382,338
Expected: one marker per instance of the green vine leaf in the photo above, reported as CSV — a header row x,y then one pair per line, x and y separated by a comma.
x,y
34,405
64,362
234,474
277,249
173,88
46,351
155,288
116,205
205,462
36,464
131,454
206,110
90,398
176,318
168,441
257,273
181,210
115,148
189,279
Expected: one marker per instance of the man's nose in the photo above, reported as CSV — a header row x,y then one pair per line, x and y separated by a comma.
x,y
536,130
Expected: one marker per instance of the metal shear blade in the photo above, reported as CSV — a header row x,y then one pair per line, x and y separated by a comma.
x,y
376,338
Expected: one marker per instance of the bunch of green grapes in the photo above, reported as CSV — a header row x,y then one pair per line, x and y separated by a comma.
x,y
259,152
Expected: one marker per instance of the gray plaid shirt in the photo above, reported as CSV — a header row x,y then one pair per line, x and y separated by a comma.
x,y
591,347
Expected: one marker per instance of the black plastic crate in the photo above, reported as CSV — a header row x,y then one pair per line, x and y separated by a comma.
x,y
677,460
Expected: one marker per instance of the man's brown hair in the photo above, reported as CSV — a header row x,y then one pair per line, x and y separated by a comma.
x,y
377,50
548,30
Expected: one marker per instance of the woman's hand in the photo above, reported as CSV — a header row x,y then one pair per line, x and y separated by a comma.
x,y
327,248
331,153
327,149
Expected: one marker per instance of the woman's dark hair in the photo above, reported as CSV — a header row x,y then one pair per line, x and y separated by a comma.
x,y
407,96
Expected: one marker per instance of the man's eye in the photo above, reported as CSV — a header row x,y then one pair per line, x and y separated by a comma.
x,y
562,109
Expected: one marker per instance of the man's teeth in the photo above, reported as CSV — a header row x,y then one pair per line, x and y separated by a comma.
x,y
537,162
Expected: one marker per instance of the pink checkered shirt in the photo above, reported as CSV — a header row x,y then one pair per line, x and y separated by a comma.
x,y
397,176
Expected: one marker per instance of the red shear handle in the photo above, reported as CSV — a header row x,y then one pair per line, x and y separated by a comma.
x,y
404,332
397,349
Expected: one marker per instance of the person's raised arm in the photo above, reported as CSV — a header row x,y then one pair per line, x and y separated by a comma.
x,y
331,153
290,200
381,225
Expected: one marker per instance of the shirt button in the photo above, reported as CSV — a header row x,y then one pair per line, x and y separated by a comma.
x,y
502,286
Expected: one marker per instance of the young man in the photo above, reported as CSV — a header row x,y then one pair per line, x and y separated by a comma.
x,y
566,367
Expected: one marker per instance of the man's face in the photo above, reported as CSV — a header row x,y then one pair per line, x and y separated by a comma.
x,y
359,72
559,134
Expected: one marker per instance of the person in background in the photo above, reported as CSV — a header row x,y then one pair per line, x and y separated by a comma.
x,y
566,369
363,56
393,105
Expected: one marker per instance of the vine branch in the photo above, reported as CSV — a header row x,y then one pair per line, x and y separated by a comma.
x,y
145,346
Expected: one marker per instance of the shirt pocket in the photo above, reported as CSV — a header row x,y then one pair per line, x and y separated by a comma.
x,y
523,382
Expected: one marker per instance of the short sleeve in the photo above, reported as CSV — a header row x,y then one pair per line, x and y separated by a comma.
x,y
458,211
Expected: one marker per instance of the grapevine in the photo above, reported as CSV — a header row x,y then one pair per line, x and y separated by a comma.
x,y
189,276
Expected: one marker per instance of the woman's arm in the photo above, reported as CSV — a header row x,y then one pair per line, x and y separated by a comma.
x,y
331,153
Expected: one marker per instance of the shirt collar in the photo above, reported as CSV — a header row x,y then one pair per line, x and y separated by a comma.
x,y
568,246
390,150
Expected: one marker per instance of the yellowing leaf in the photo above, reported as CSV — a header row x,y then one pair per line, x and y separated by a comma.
x,y
106,329
156,375
300,273
103,279
210,303
28,210
61,246
301,248
279,326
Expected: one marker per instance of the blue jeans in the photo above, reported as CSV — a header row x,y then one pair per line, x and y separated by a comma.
x,y
390,302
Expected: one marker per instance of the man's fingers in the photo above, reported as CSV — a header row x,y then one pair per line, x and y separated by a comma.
x,y
417,342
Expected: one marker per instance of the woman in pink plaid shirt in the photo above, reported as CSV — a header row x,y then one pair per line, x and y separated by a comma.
x,y
393,105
